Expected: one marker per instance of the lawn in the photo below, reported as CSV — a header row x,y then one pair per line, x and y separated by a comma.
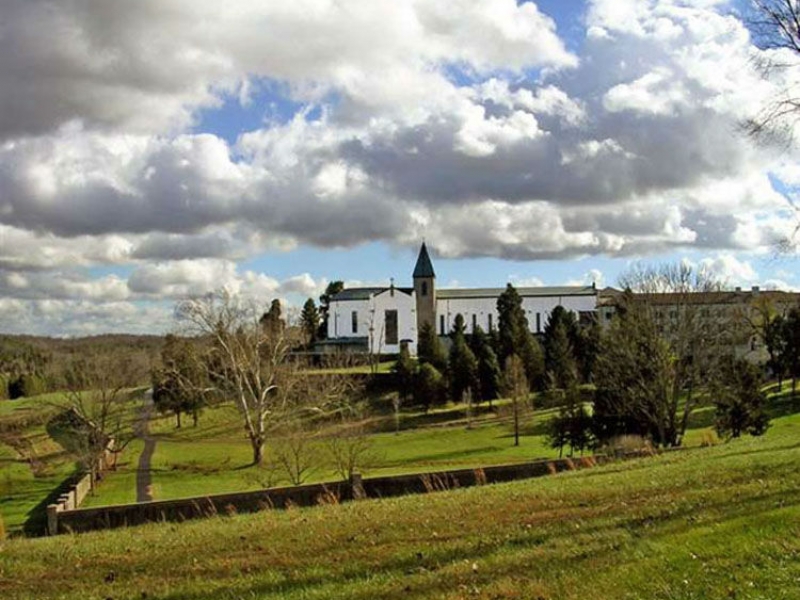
x,y
34,469
713,523
32,466
215,457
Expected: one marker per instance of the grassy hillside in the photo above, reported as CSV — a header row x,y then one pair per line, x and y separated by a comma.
x,y
32,465
34,468
718,523
215,457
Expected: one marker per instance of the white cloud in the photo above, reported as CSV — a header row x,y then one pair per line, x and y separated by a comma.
x,y
656,93
729,269
467,122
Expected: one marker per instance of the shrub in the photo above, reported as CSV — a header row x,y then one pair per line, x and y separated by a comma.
x,y
709,438
624,444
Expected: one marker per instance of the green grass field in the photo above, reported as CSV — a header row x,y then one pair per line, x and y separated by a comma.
x,y
214,457
707,523
32,466
34,469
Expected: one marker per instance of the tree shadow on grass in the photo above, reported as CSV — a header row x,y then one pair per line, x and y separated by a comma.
x,y
783,405
36,519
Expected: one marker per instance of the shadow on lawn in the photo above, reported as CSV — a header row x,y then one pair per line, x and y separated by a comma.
x,y
36,520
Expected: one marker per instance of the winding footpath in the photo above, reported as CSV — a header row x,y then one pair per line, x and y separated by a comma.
x,y
143,475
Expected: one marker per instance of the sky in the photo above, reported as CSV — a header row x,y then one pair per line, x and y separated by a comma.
x,y
160,149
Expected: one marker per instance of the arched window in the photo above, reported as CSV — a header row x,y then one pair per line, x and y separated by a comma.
x,y
424,288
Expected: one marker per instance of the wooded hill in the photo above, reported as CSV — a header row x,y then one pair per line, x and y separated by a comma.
x,y
32,365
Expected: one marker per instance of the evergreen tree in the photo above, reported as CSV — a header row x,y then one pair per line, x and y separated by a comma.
x,y
586,350
430,350
404,370
489,374
635,381
572,426
429,386
791,345
333,288
462,364
180,382
514,337
533,360
559,354
309,321
739,400
512,324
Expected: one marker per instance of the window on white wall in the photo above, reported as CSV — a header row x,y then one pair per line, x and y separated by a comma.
x,y
354,321
474,322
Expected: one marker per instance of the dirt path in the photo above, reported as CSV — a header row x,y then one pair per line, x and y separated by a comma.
x,y
143,476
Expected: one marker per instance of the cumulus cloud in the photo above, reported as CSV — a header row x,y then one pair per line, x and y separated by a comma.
x,y
469,123
147,66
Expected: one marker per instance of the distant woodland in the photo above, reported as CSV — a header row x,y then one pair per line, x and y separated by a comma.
x,y
36,365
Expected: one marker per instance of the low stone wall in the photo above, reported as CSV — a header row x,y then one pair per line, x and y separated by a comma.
x,y
104,517
76,493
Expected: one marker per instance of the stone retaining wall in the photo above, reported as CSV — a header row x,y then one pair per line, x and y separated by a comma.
x,y
75,519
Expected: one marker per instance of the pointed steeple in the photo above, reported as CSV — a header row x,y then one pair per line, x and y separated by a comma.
x,y
425,290
424,266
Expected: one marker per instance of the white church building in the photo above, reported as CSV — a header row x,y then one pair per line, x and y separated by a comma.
x,y
379,319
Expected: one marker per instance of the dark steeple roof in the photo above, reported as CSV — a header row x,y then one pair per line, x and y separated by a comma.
x,y
424,266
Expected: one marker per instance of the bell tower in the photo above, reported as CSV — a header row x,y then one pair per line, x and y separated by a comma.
x,y
425,290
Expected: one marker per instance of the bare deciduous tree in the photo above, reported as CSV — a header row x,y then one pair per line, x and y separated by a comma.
x,y
518,390
247,360
775,27
296,450
97,416
248,363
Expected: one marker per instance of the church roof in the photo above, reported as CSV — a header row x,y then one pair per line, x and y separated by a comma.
x,y
525,292
424,266
365,293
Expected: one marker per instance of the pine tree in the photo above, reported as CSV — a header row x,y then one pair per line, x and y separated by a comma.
x,y
333,288
309,321
462,364
559,354
429,386
489,375
791,345
586,350
512,324
430,350
404,370
739,401
514,337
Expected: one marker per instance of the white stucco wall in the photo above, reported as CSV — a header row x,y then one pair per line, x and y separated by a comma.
x,y
371,313
371,320
483,307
